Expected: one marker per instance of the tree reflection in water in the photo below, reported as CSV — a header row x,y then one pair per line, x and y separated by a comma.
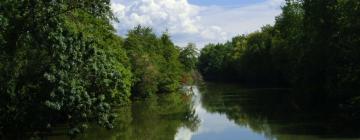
x,y
276,114
228,112
152,119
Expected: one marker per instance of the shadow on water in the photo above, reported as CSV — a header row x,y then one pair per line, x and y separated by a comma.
x,y
276,114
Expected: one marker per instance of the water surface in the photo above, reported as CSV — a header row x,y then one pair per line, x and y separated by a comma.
x,y
226,112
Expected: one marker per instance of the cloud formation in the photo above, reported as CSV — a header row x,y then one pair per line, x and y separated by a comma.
x,y
193,23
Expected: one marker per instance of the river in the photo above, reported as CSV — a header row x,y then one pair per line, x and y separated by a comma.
x,y
225,112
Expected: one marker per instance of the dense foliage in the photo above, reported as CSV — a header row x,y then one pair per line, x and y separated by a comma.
x,y
189,57
61,61
247,58
155,62
313,47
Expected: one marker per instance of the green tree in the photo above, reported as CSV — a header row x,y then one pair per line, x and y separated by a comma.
x,y
188,57
57,65
213,61
312,47
155,62
330,53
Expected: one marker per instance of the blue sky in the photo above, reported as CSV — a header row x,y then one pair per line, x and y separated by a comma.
x,y
196,21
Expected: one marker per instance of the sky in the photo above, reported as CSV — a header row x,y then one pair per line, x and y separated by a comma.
x,y
196,21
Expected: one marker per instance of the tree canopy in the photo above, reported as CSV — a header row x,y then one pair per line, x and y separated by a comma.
x,y
61,62
313,47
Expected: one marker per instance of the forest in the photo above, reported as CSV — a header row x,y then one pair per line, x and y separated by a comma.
x,y
62,62
313,48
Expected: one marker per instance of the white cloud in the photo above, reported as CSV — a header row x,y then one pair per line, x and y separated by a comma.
x,y
176,15
191,23
242,20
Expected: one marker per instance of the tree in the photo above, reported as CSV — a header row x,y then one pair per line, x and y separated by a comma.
x,y
312,47
54,69
154,62
213,61
188,57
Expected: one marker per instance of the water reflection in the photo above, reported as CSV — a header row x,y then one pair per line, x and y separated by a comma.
x,y
229,112
153,119
270,114
214,125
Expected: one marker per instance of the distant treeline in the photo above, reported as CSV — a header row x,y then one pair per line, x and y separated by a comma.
x,y
314,47
61,62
